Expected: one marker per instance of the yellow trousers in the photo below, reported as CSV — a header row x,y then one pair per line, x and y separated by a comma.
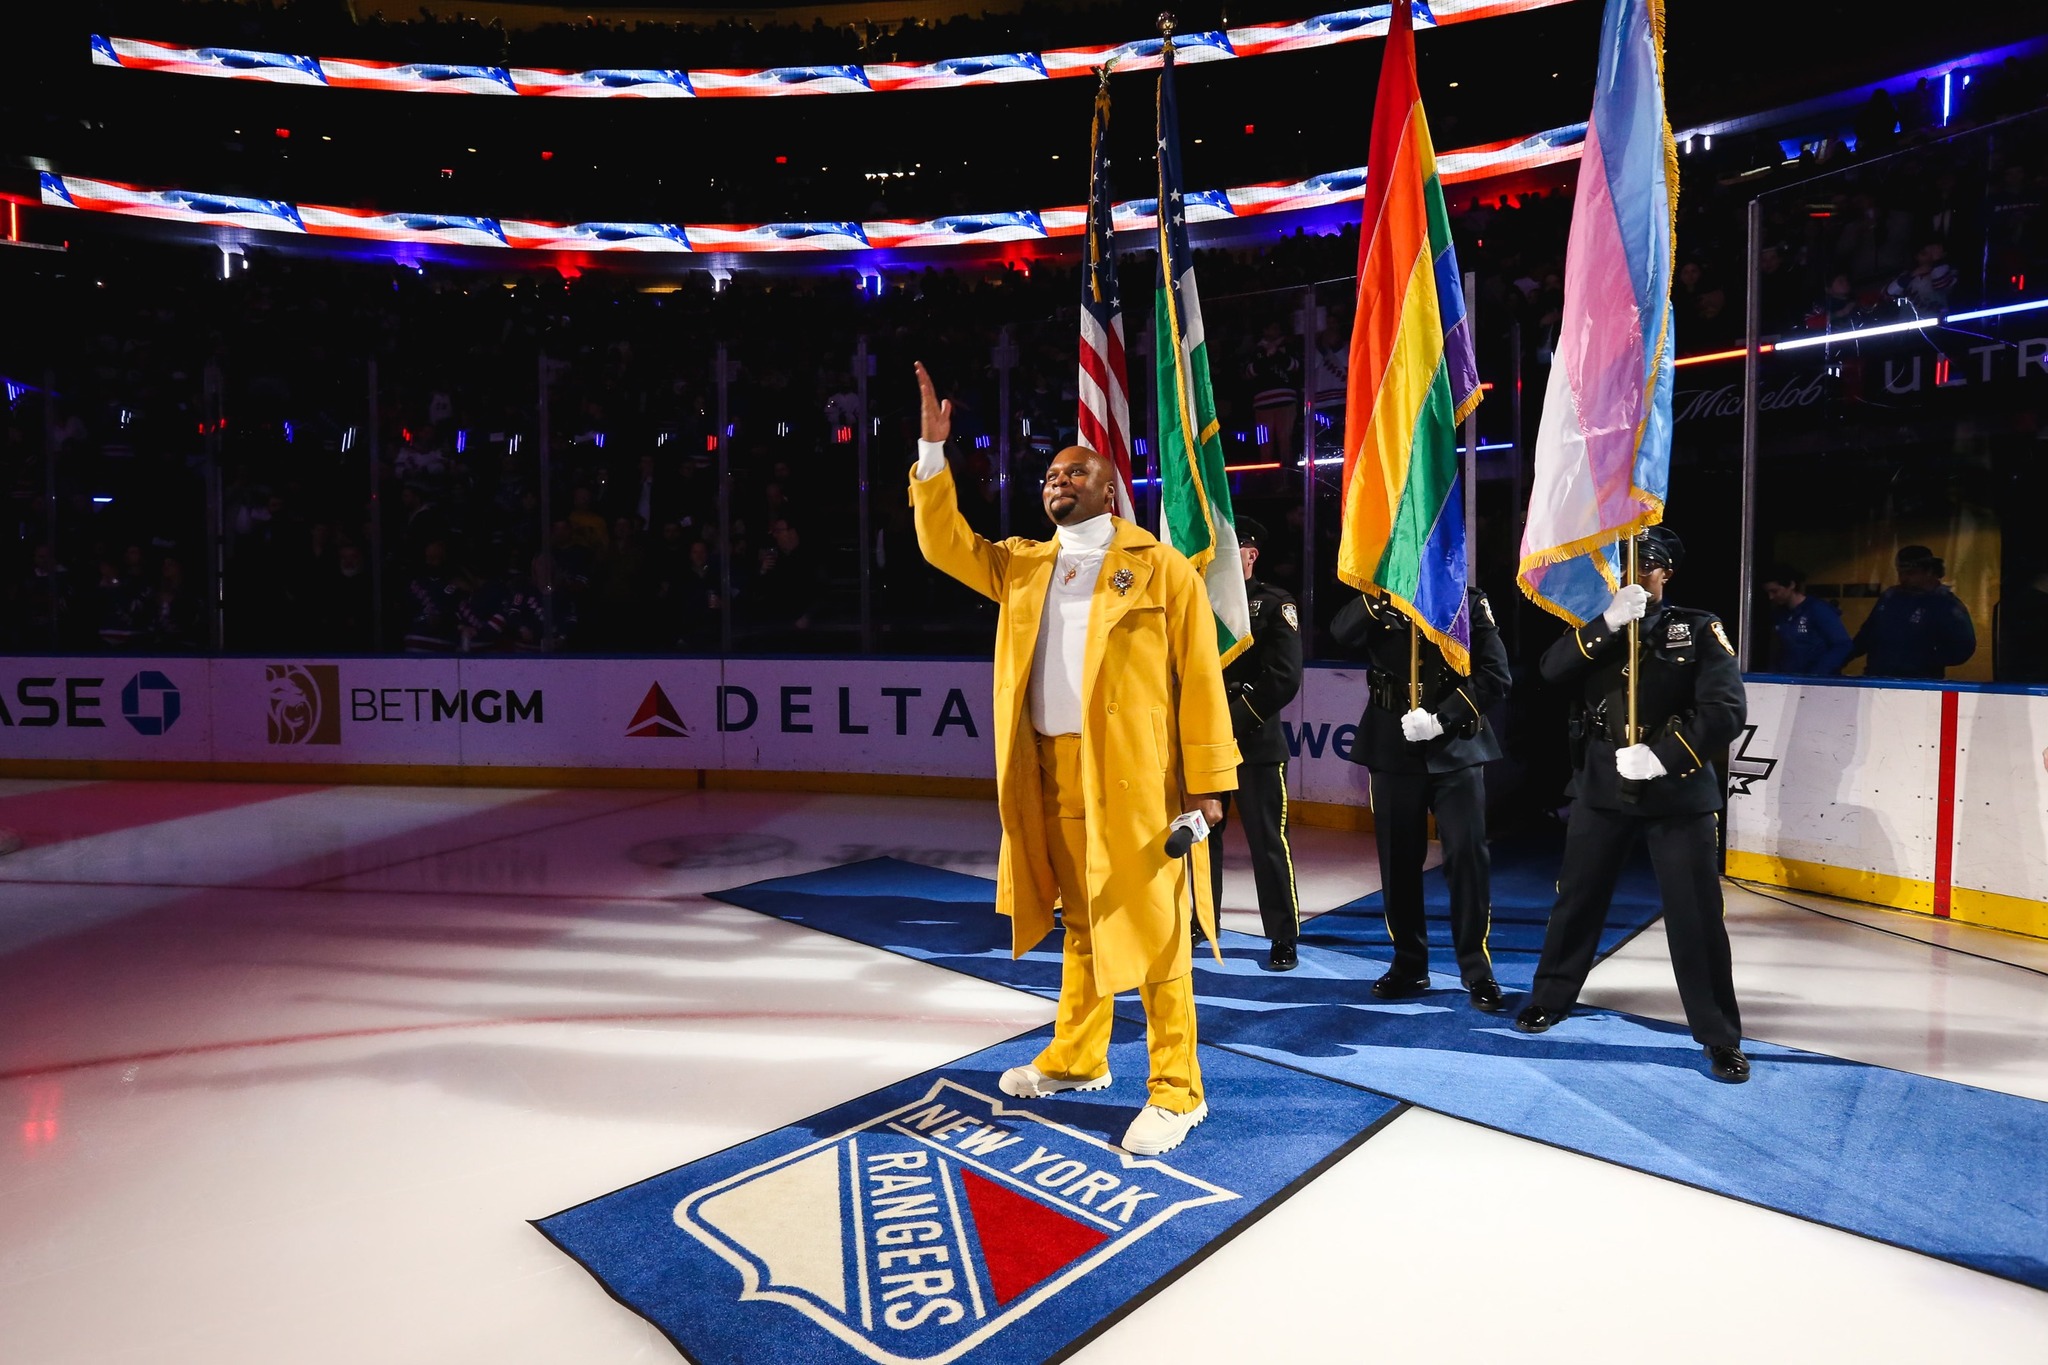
x,y
1080,1042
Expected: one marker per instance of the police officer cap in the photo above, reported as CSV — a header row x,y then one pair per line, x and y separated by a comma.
x,y
1249,532
1914,557
1660,547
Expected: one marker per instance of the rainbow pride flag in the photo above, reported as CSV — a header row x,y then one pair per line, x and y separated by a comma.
x,y
1603,448
1413,377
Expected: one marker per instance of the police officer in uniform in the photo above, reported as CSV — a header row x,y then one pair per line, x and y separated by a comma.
x,y
1428,758
1659,785
1259,682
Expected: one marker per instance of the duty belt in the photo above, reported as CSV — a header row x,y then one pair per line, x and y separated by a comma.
x,y
1390,693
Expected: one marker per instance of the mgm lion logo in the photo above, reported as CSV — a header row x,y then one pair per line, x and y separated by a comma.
x,y
302,703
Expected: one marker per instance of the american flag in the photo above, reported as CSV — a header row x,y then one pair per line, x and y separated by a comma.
x,y
1105,422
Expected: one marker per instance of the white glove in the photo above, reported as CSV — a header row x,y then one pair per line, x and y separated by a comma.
x,y
931,458
1628,605
1420,726
1638,762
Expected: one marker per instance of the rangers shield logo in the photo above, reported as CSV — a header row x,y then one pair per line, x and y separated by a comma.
x,y
924,1231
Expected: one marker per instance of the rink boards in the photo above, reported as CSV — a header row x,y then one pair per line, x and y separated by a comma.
x,y
1923,798
550,719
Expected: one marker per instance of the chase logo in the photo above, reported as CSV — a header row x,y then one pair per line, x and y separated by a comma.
x,y
302,703
151,703
920,1234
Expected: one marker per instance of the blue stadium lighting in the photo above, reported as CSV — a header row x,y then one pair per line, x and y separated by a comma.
x,y
101,500
461,441
1998,312
1888,329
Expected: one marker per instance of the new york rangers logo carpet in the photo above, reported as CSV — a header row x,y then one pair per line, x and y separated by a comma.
x,y
939,1220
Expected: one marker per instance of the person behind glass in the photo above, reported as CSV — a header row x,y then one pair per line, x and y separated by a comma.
x,y
1811,639
1260,682
1425,759
1919,628
1658,786
1110,720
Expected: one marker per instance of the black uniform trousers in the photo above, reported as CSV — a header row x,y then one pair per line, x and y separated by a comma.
x,y
1262,805
1682,850
1401,805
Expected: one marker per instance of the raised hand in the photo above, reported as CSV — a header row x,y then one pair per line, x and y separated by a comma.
x,y
937,415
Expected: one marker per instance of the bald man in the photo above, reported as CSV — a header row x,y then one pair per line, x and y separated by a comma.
x,y
1110,721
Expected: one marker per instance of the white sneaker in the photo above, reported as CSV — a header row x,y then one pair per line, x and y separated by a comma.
x,y
1157,1131
1029,1083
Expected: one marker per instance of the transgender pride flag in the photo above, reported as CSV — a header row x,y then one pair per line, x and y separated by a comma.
x,y
1603,450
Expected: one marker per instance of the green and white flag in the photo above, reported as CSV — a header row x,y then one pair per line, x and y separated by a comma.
x,y
1194,491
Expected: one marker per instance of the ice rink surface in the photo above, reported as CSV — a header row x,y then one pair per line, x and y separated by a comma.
x,y
285,1076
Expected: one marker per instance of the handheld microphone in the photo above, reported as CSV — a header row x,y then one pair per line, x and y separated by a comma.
x,y
1184,833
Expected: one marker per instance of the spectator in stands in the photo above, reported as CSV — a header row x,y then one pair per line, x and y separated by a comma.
x,y
114,607
167,617
787,584
1927,285
44,600
1837,309
1919,628
1810,636
586,524
526,613
693,600
1274,370
346,602
434,594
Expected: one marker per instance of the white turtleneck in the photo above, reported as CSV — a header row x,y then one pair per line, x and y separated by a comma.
x,y
1056,664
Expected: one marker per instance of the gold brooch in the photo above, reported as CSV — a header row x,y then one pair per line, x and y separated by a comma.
x,y
1121,580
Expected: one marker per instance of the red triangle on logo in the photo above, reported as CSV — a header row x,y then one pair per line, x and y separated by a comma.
x,y
656,718
1022,1240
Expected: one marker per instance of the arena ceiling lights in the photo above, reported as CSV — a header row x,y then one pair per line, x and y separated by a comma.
x,y
1002,68
1207,206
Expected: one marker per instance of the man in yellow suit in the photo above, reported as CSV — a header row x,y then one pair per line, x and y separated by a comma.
x,y
1110,721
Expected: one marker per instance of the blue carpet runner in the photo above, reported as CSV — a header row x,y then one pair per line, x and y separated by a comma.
x,y
1947,1170
938,1220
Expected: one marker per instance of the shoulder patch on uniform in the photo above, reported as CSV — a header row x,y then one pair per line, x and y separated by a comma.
x,y
1722,636
1290,616
1482,610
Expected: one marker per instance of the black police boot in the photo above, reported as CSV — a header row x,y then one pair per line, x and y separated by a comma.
x,y
1538,1018
1729,1064
1485,994
1392,987
1280,957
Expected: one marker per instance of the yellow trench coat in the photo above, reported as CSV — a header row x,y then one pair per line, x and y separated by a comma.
x,y
1155,729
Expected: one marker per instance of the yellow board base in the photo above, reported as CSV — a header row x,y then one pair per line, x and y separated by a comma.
x,y
1986,909
1319,814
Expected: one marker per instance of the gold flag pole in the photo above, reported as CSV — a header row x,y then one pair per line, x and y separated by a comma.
x,y
1415,666
1634,638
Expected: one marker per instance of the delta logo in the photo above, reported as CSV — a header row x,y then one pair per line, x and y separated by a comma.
x,y
656,718
918,1235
